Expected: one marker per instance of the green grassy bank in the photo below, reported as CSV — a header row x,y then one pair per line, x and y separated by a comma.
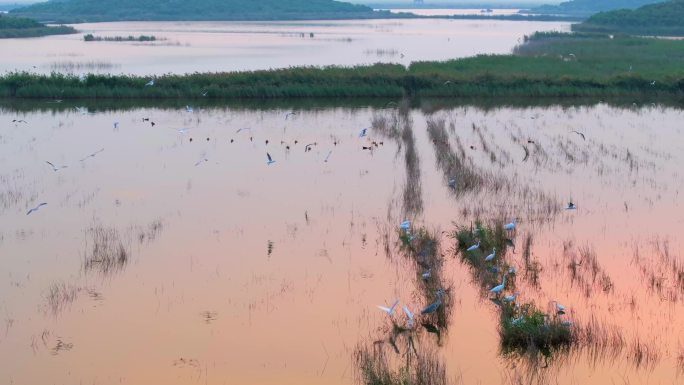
x,y
546,65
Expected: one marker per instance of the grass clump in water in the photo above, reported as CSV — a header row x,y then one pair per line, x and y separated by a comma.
x,y
108,253
526,329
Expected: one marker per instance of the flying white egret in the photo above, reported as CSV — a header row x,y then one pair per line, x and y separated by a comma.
x,y
55,168
405,225
36,208
92,155
474,247
389,310
270,160
183,130
492,255
499,288
580,134
150,83
242,129
510,226
410,317
363,133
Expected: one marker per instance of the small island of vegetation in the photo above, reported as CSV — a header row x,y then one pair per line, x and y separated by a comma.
x,y
141,38
661,19
15,27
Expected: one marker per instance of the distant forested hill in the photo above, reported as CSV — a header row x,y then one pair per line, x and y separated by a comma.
x,y
78,11
13,27
589,7
662,19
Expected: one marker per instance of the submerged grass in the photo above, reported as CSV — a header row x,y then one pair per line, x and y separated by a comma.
x,y
107,252
422,367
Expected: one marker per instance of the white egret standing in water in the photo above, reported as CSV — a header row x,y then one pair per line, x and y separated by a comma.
x,y
270,160
510,226
410,317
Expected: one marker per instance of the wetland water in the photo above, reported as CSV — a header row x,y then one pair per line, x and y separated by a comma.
x,y
158,259
187,47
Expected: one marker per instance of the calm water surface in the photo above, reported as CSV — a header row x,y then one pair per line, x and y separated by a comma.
x,y
236,271
188,47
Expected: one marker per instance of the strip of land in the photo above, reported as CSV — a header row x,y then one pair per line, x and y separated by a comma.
x,y
16,27
545,65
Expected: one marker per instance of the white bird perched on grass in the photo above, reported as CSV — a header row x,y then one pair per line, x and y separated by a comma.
x,y
499,288
389,310
36,208
410,317
492,255
269,159
474,247
291,113
55,168
510,226
150,83
189,109
511,298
